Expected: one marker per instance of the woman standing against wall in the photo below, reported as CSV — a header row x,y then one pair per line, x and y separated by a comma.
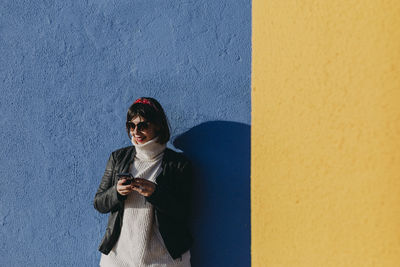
x,y
147,225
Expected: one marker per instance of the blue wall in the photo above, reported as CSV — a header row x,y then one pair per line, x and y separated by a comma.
x,y
68,72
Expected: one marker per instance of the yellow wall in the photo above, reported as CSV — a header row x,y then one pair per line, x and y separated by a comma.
x,y
326,133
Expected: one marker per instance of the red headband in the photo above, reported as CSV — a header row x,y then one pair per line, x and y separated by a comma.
x,y
145,101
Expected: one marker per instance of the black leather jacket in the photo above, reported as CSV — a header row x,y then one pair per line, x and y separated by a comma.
x,y
171,199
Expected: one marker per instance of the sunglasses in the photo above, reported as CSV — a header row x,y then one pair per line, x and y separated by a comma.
x,y
143,125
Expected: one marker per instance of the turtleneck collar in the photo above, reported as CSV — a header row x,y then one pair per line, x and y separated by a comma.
x,y
149,150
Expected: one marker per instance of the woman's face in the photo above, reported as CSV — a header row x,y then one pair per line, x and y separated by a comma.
x,y
144,130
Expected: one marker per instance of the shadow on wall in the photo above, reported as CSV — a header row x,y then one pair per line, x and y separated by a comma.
x,y
220,153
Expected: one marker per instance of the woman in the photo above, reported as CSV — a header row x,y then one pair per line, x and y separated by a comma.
x,y
147,225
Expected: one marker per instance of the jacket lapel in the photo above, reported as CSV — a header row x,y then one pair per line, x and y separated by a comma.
x,y
164,167
128,160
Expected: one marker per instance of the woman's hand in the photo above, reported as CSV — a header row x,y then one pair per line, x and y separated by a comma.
x,y
123,189
143,186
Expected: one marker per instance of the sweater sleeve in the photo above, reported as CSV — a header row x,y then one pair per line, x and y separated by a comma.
x,y
107,198
174,199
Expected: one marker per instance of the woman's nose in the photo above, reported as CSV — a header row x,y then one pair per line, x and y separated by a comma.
x,y
134,131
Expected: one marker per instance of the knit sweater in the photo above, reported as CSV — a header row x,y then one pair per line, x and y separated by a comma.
x,y
140,242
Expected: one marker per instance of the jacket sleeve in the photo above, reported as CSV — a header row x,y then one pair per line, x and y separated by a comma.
x,y
175,200
107,198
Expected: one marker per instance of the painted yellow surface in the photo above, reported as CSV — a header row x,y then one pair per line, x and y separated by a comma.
x,y
325,183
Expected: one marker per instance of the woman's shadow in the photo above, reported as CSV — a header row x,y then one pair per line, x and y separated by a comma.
x,y
220,153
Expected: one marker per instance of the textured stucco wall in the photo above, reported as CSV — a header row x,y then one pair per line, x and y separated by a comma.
x,y
68,72
326,133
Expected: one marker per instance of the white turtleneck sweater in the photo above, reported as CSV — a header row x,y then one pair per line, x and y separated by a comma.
x,y
140,242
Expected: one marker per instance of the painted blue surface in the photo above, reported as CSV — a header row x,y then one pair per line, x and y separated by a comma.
x,y
68,72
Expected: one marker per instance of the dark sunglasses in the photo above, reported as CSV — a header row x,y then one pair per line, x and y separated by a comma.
x,y
143,125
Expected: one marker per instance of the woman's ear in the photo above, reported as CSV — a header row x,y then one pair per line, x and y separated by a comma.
x,y
158,131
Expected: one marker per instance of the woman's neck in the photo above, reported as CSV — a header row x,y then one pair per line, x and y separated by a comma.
x,y
149,150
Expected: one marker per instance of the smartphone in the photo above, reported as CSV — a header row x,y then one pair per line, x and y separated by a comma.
x,y
126,175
